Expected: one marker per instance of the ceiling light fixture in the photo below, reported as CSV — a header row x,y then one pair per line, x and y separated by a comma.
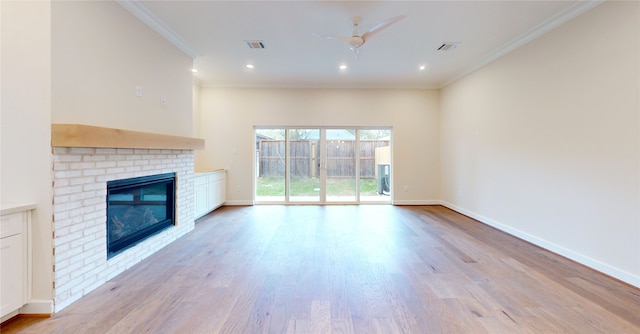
x,y
250,66
194,70
343,67
423,67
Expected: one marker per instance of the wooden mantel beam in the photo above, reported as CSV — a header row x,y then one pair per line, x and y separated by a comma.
x,y
77,135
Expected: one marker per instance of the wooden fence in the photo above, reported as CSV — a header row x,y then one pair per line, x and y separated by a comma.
x,y
305,158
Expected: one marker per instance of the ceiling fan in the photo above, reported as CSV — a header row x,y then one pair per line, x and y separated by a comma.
x,y
356,40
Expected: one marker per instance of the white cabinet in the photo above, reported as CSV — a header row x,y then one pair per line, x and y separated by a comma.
x,y
15,264
201,196
210,191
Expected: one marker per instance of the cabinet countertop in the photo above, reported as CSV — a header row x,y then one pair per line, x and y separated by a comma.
x,y
11,207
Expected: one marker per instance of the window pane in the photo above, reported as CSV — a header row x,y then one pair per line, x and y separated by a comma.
x,y
270,169
341,165
375,165
304,165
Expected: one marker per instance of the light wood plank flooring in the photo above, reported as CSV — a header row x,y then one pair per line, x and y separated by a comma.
x,y
349,269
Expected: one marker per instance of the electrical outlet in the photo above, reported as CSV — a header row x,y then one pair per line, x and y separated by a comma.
x,y
138,91
163,99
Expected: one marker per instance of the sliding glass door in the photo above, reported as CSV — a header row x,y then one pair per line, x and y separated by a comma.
x,y
304,165
271,166
340,165
323,165
375,165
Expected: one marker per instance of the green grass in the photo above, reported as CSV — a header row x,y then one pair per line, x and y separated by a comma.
x,y
310,187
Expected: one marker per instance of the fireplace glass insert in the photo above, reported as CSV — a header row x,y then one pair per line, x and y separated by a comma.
x,y
138,208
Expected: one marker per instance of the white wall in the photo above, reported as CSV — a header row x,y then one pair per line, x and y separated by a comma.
x,y
25,163
196,109
229,115
544,143
101,53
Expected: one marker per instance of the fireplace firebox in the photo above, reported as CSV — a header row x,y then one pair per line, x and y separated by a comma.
x,y
138,208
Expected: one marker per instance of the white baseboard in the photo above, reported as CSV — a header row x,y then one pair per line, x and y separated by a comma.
x,y
38,306
8,316
395,202
237,203
585,260
416,202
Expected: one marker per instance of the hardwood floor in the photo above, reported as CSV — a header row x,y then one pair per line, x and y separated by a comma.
x,y
349,269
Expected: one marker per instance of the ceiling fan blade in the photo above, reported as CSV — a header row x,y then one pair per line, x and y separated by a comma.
x,y
353,41
315,34
342,38
381,26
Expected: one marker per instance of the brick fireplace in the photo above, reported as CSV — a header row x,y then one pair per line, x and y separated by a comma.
x,y
80,176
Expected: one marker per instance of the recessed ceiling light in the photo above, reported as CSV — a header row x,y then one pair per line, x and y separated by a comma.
x,y
194,70
423,67
250,66
343,67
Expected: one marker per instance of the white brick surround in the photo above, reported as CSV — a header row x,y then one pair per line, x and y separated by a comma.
x,y
80,178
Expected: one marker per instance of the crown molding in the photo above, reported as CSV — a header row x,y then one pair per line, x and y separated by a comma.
x,y
553,22
143,14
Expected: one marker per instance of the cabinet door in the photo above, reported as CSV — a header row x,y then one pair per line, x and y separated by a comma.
x,y
201,200
213,193
220,190
12,268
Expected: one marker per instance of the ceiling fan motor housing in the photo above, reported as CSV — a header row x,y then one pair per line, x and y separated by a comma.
x,y
356,41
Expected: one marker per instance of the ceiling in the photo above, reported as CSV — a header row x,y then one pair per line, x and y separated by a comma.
x,y
214,33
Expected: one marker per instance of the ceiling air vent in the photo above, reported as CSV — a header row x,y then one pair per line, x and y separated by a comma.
x,y
447,46
255,44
